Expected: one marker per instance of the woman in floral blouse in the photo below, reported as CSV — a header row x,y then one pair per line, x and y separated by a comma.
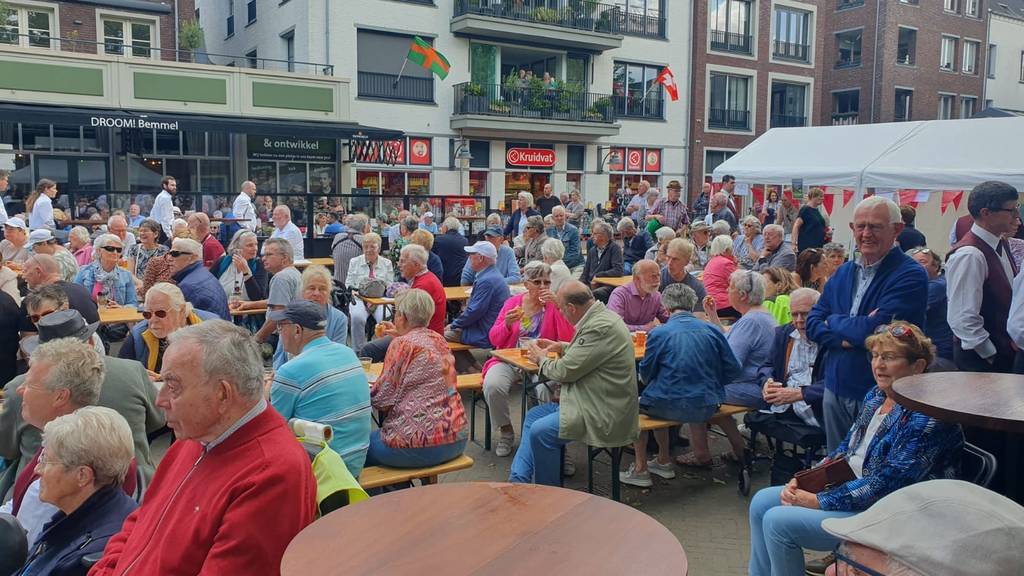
x,y
423,423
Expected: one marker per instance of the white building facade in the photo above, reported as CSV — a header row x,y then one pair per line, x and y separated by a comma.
x,y
601,120
1004,85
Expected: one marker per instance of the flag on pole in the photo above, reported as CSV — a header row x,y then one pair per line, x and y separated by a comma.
x,y
422,53
668,80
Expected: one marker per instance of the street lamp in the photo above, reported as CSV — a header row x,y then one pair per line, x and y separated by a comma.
x,y
613,156
464,157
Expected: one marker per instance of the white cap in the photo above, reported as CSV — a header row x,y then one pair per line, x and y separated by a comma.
x,y
483,248
16,223
39,236
428,214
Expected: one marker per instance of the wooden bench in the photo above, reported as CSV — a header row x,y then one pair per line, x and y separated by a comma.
x,y
474,384
379,476
648,424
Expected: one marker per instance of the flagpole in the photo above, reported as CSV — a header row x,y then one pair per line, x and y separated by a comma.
x,y
400,72
644,99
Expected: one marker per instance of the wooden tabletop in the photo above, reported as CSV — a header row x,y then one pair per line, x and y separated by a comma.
x,y
515,358
993,401
222,219
462,293
382,301
620,281
120,315
485,528
309,261
249,312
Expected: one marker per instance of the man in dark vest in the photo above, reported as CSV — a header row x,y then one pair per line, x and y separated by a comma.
x,y
979,271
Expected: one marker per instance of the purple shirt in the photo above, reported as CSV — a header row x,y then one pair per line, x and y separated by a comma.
x,y
636,311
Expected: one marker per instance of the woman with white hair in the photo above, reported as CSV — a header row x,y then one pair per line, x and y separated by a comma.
x,y
424,423
85,457
369,265
108,283
663,236
240,270
747,247
719,268
317,286
164,312
517,221
527,246
552,251
80,245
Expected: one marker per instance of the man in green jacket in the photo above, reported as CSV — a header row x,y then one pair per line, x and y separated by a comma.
x,y
599,398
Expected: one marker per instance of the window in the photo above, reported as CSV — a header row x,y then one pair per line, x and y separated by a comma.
x,y
951,5
845,107
729,103
971,8
27,27
289,49
252,58
231,19
906,48
637,17
967,106
129,38
991,67
630,82
946,106
251,11
788,105
904,101
729,21
970,57
848,44
379,58
713,158
947,56
844,4
792,34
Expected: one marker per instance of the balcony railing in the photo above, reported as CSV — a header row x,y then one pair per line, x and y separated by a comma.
x,y
729,119
724,41
791,51
634,105
588,15
391,87
786,121
845,118
533,102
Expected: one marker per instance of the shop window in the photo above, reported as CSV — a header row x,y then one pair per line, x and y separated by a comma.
x,y
215,177
574,158
186,172
134,38
292,177
264,175
144,175
168,142
27,26
481,151
35,136
419,183
322,179
218,144
193,142
67,138
95,139
573,182
477,182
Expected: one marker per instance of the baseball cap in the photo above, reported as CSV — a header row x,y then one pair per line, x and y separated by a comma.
x,y
483,248
947,527
61,324
15,222
39,236
428,214
493,231
307,314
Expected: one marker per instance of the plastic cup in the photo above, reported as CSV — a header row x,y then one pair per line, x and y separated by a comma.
x,y
366,362
640,338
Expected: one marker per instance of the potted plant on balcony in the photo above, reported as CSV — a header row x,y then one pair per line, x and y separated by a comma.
x,y
190,38
499,107
582,13
605,108
537,101
473,99
568,103
545,15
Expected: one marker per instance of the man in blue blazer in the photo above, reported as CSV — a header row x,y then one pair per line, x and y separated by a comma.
x,y
882,285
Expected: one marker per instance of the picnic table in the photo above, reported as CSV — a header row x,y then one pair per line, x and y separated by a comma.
x,y
119,315
613,281
486,528
328,262
462,293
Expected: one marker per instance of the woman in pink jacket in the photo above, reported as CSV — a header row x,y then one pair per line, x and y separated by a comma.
x,y
530,315
716,275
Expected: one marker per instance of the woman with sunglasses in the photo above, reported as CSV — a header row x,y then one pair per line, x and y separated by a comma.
x,y
747,247
165,312
936,326
109,284
533,314
888,447
813,269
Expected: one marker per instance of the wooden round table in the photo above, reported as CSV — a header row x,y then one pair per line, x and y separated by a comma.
x,y
984,400
485,528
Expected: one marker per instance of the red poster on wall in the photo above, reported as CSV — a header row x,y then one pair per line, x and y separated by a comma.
x,y
619,153
634,159
652,160
398,150
419,151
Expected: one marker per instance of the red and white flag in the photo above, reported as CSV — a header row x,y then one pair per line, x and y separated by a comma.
x,y
668,80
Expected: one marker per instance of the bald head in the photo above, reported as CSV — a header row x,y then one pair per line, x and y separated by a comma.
x,y
40,270
47,263
575,298
249,188
199,224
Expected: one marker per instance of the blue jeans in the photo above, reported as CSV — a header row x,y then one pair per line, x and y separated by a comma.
x,y
380,454
840,414
627,268
745,394
539,457
778,534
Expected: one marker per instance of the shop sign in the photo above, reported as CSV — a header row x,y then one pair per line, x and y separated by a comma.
x,y
292,149
652,160
620,165
634,159
530,157
419,151
133,122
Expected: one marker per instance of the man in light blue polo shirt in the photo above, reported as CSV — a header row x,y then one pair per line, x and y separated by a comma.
x,y
505,261
323,382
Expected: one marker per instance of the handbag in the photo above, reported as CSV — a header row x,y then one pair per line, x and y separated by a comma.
x,y
372,288
826,476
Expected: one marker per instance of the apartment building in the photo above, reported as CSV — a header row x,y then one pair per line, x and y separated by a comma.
x,y
600,124
903,60
1004,71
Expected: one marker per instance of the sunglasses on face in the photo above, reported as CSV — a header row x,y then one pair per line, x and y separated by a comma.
x,y
913,251
35,318
113,249
176,253
147,314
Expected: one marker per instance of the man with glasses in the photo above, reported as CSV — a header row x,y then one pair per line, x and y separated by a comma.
x,y
42,242
42,270
200,288
285,284
883,285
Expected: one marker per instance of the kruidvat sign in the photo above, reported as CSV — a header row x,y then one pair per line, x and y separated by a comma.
x,y
291,148
530,157
130,122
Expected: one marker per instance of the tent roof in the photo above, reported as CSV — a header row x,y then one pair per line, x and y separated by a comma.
x,y
937,154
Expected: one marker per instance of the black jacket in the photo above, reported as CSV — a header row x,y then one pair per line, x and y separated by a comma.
x,y
450,248
610,264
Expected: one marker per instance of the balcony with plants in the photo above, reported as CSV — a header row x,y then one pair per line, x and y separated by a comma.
x,y
577,24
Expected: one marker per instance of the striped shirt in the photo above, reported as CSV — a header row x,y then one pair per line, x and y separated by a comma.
x,y
326,384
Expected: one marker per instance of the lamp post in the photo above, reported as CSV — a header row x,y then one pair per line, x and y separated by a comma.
x,y
463,157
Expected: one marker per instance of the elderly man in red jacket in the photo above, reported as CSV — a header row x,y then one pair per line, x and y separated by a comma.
x,y
236,488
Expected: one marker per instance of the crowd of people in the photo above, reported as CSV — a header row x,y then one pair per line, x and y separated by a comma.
x,y
757,310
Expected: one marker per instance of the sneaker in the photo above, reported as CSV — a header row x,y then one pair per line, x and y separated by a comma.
x,y
634,478
666,471
568,466
503,447
818,567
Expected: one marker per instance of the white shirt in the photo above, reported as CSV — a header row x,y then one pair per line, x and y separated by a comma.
x,y
3,210
33,514
856,460
965,274
163,211
1015,324
293,235
42,213
799,369
244,209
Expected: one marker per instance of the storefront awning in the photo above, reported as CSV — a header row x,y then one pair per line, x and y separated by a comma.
x,y
174,121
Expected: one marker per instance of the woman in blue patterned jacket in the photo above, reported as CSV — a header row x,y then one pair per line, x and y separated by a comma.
x,y
888,447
